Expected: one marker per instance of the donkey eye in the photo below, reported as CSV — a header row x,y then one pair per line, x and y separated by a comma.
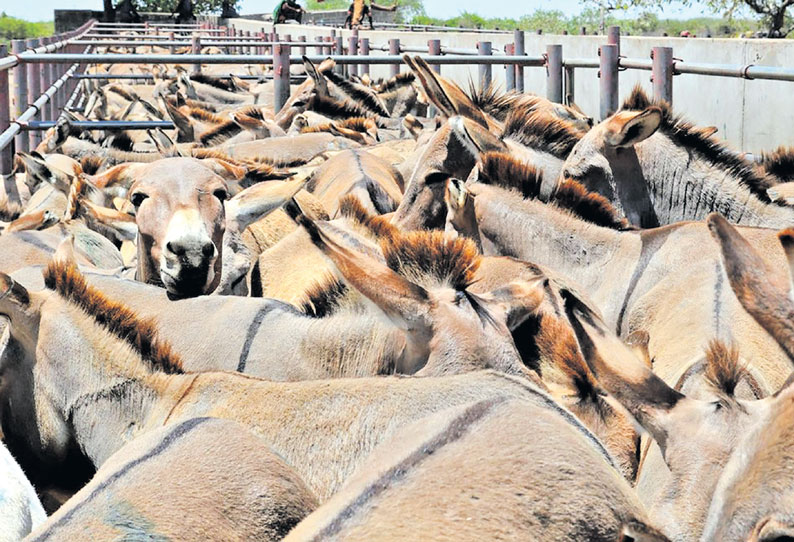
x,y
221,194
137,198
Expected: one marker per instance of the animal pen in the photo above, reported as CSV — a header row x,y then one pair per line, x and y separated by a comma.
x,y
46,72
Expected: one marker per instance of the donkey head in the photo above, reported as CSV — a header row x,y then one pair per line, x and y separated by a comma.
x,y
423,287
181,221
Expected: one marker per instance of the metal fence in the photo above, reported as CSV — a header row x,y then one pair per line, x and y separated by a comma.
x,y
46,71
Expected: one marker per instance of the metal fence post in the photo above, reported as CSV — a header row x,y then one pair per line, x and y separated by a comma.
x,y
195,49
328,50
394,50
613,37
34,90
486,72
554,73
364,51
609,79
569,85
20,94
302,48
510,69
352,50
7,154
339,49
518,41
281,88
45,78
171,48
434,48
662,74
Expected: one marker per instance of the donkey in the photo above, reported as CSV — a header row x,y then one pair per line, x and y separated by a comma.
x,y
470,473
706,442
95,356
238,490
20,509
658,169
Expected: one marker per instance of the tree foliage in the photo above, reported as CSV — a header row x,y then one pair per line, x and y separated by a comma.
x,y
12,28
167,6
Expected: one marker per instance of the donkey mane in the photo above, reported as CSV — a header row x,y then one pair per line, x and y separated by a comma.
x,y
686,134
398,81
206,115
779,163
540,130
220,133
723,370
253,112
211,153
431,258
91,164
503,170
141,334
212,81
362,95
350,207
492,101
121,141
336,108
359,124
323,296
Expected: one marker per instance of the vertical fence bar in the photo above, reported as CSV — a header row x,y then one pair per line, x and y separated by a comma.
x,y
613,37
554,73
352,49
434,48
7,154
339,49
518,41
510,69
364,50
281,88
171,48
195,49
569,85
609,79
328,49
34,91
486,72
20,94
45,78
394,49
662,74
302,48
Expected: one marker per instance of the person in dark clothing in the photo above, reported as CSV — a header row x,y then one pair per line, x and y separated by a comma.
x,y
126,12
360,9
184,11
287,10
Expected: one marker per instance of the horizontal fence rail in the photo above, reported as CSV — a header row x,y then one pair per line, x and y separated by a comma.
x,y
49,74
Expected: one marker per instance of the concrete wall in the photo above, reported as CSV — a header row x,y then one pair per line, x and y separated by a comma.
x,y
752,115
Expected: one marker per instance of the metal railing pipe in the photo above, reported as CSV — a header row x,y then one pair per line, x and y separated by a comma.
x,y
434,49
394,50
102,124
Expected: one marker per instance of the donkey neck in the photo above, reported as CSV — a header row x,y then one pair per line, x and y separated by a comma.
x,y
543,234
683,185
94,385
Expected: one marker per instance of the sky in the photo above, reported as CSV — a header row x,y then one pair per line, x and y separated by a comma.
x,y
39,10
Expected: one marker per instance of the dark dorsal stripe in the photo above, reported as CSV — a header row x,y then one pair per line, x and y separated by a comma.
x,y
398,81
711,149
212,81
359,94
336,109
324,297
67,281
779,163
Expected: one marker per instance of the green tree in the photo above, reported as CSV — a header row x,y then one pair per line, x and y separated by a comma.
x,y
167,6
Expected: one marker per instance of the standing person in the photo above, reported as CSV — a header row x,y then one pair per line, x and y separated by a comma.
x,y
360,9
287,10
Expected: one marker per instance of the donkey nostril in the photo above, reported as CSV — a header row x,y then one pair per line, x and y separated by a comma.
x,y
208,250
175,248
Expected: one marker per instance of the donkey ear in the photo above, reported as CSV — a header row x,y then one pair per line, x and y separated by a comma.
x,y
65,252
183,124
647,398
109,222
40,171
628,128
319,79
638,531
475,134
761,290
405,303
518,300
771,528
258,201
433,88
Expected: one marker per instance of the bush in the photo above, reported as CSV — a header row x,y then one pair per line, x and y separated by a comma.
x,y
12,28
